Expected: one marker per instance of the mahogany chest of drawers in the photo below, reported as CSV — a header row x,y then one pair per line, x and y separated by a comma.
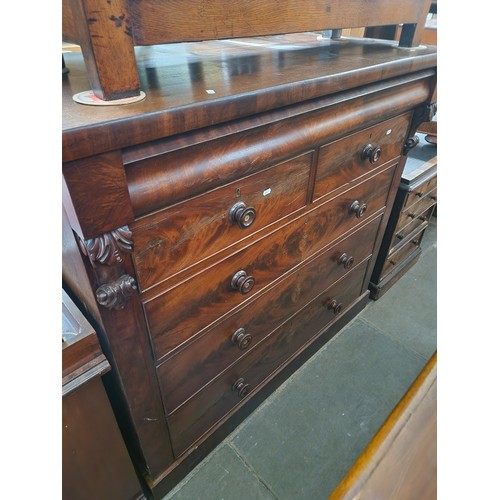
x,y
413,208
223,229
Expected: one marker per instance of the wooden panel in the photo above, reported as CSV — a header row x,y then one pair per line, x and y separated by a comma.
x,y
95,462
161,21
177,237
401,460
341,161
210,405
105,205
196,365
176,315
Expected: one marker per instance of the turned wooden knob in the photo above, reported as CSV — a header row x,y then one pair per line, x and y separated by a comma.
x,y
242,215
241,388
334,306
433,197
346,261
242,282
358,209
241,338
371,153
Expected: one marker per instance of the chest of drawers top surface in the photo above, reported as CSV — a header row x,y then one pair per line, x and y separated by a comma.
x,y
190,86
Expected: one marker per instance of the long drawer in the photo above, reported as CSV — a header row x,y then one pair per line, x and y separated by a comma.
x,y
202,412
190,231
344,160
189,370
176,315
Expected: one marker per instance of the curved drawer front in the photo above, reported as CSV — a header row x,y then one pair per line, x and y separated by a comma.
x,y
203,411
351,157
181,312
184,234
189,370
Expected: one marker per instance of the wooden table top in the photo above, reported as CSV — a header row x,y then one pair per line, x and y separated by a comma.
x,y
193,85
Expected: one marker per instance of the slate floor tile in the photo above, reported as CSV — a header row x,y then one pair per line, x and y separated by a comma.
x,y
222,476
407,312
302,441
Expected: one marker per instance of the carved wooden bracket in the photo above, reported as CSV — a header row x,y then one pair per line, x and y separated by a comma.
x,y
106,248
115,295
422,114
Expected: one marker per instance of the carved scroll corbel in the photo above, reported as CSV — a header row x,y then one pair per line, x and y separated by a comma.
x,y
422,114
115,295
107,248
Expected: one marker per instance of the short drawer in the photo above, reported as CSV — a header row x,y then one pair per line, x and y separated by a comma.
x,y
402,233
417,210
188,232
185,373
423,191
394,259
177,314
202,412
343,161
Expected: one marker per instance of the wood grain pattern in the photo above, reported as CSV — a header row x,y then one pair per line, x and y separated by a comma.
x,y
156,181
200,413
172,320
342,158
104,209
161,21
188,371
179,236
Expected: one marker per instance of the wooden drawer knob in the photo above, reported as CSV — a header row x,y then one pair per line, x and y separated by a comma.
x,y
346,261
241,388
242,215
241,338
334,306
434,197
242,282
358,209
372,153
